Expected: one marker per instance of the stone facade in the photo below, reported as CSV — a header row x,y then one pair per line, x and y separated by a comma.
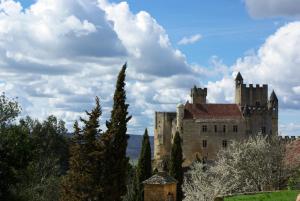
x,y
206,128
160,187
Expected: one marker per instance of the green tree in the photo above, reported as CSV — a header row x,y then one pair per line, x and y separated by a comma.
x,y
131,194
115,144
176,170
9,109
83,181
144,168
14,148
41,180
50,141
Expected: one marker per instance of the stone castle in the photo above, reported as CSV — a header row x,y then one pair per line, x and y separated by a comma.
x,y
206,128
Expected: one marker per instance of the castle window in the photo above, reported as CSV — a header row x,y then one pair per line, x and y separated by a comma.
x,y
204,128
263,130
204,159
204,143
257,103
224,143
216,128
235,128
224,129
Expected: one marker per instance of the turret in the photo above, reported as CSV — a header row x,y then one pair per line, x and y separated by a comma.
x,y
238,88
273,107
179,115
239,79
198,95
273,100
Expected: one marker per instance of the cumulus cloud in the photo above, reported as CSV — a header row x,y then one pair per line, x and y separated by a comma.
x,y
190,40
277,62
273,8
56,56
147,42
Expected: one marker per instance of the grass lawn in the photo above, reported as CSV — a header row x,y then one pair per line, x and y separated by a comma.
x,y
275,196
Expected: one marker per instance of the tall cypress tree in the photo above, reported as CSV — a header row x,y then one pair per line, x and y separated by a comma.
x,y
176,170
82,181
144,168
115,143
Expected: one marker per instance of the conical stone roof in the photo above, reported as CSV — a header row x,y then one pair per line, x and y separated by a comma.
x,y
273,96
239,76
160,178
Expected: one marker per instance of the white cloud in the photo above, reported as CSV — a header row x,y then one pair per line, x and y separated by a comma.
x,y
56,56
146,41
277,63
190,40
273,8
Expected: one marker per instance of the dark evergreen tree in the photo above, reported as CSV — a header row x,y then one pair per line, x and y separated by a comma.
x,y
15,154
82,182
176,161
144,168
115,143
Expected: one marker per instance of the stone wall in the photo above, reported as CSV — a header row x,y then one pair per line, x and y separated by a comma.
x,y
193,137
251,95
157,192
163,134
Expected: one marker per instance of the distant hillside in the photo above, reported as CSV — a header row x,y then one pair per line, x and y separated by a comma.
x,y
135,145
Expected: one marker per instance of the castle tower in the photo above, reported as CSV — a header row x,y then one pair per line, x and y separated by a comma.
x,y
179,116
239,81
273,107
198,95
252,95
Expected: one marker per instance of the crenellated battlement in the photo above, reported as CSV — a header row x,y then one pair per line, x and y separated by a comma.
x,y
289,138
252,95
207,128
255,86
198,95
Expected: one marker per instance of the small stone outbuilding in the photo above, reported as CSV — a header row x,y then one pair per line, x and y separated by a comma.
x,y
160,187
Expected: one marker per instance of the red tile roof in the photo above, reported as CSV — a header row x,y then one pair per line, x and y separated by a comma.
x,y
210,111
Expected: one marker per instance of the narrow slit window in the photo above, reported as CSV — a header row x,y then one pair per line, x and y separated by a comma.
x,y
235,128
224,143
204,143
204,128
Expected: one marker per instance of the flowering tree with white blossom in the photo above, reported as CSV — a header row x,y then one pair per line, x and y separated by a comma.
x,y
250,166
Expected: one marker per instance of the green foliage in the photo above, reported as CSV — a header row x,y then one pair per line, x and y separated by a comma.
x,y
83,180
132,193
275,196
176,161
115,144
50,142
294,181
40,184
144,168
9,110
41,180
15,155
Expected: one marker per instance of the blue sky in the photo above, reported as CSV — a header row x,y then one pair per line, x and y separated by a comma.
x,y
227,29
169,47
